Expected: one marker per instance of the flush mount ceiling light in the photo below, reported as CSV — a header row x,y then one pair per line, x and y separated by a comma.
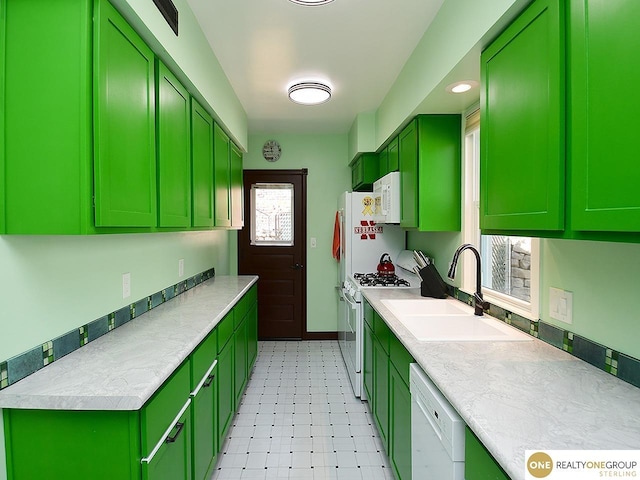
x,y
461,87
311,3
309,93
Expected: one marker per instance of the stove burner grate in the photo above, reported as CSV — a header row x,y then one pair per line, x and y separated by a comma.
x,y
377,280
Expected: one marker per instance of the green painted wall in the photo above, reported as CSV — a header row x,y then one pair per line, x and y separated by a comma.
x,y
191,59
457,28
58,283
326,158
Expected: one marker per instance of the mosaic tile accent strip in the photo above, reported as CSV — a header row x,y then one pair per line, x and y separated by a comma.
x,y
24,364
616,363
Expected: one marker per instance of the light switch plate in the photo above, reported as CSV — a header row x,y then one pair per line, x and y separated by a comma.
x,y
314,242
126,285
561,305
181,267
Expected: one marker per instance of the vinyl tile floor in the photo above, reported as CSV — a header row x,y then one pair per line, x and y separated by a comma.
x,y
299,419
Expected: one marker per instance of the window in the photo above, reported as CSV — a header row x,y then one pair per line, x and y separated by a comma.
x,y
272,218
510,265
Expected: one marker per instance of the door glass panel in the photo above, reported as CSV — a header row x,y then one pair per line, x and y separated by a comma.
x,y
272,214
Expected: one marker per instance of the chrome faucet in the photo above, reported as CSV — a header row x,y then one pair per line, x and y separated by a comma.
x,y
480,304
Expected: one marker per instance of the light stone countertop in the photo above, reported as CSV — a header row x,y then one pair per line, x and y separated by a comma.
x,y
519,396
122,369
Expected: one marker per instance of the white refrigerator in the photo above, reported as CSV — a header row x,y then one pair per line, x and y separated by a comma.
x,y
362,244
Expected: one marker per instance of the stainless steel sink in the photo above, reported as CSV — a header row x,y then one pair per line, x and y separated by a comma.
x,y
431,320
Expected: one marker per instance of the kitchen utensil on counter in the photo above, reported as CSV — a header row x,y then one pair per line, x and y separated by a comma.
x,y
386,267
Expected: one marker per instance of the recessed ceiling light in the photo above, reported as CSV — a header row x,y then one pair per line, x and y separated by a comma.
x,y
461,87
309,93
311,3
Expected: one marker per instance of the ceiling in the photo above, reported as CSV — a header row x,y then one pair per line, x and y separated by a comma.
x,y
358,47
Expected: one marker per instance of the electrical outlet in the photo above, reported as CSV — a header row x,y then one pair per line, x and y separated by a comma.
x,y
314,242
181,267
126,285
561,305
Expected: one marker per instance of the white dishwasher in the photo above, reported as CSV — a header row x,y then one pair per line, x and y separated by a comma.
x,y
437,432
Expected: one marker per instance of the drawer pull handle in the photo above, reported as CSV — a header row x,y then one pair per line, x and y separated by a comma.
x,y
164,438
171,439
209,381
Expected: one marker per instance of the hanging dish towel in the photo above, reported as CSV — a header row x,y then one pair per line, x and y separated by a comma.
x,y
335,250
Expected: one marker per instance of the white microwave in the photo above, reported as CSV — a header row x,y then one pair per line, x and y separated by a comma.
x,y
386,193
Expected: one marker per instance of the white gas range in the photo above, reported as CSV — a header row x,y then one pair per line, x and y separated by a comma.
x,y
351,336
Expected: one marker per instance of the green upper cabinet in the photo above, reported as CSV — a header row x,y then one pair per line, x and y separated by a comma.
x,y
237,188
522,123
429,155
364,171
393,161
603,140
46,156
124,124
383,162
202,165
174,151
222,176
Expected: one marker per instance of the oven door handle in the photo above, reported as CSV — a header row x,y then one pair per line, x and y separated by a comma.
x,y
350,300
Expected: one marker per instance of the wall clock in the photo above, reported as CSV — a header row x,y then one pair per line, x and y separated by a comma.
x,y
271,150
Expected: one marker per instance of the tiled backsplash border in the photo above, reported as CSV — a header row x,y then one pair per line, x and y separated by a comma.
x,y
26,363
616,363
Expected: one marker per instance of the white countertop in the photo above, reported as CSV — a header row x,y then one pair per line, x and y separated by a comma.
x,y
122,369
519,396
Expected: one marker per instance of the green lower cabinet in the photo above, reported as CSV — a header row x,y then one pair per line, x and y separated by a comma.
x,y
97,445
240,362
172,461
367,365
399,425
252,337
224,387
381,391
478,462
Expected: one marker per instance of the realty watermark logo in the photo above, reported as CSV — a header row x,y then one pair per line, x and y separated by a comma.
x,y
581,464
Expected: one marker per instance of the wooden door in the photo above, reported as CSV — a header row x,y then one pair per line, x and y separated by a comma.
x,y
272,246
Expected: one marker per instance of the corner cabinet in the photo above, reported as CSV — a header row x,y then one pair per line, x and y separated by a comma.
x,y
522,171
429,153
364,171
176,435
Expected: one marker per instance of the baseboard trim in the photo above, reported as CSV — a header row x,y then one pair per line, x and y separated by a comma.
x,y
320,336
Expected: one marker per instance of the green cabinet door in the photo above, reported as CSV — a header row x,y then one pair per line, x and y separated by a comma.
x,y
46,150
222,175
399,425
201,165
224,388
252,336
110,440
522,161
383,162
478,462
393,160
204,436
240,365
381,391
603,136
408,162
124,124
237,189
367,366
364,171
173,460
174,150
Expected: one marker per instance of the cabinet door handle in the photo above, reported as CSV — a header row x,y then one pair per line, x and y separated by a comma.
x,y
171,439
209,381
